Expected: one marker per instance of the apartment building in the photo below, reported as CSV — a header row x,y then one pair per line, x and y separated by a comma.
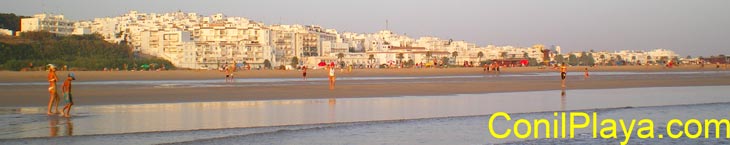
x,y
47,22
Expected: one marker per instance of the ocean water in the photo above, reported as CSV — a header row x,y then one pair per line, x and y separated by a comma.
x,y
395,120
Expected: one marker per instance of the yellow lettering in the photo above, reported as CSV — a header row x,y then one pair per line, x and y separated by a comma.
x,y
717,124
646,131
689,123
627,132
669,128
517,130
544,122
491,125
611,128
574,126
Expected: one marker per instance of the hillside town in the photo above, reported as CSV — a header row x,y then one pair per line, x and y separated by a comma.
x,y
194,41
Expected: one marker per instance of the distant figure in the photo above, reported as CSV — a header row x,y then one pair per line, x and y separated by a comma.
x,y
67,95
717,66
563,73
702,64
586,76
486,67
331,70
231,70
52,79
497,68
304,73
227,70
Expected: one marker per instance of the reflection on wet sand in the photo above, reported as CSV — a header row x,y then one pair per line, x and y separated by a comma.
x,y
562,99
332,112
114,119
54,127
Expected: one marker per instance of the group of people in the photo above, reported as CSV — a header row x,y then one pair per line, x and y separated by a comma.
x,y
54,97
564,73
330,74
492,67
230,69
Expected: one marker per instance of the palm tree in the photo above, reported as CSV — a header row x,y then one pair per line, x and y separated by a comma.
x,y
648,59
525,55
429,54
340,56
294,61
454,54
399,57
504,55
480,55
633,59
371,59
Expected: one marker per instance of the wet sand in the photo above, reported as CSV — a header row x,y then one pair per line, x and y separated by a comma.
x,y
446,130
40,76
477,82
198,120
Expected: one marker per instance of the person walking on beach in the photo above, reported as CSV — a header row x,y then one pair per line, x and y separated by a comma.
x,y
586,76
717,65
563,73
227,70
304,73
331,70
52,79
486,68
66,112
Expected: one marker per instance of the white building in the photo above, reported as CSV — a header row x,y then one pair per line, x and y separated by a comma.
x,y
190,40
47,22
6,32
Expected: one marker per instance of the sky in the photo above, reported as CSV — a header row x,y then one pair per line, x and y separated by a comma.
x,y
689,27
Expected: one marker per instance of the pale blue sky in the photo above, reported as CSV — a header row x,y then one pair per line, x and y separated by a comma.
x,y
690,27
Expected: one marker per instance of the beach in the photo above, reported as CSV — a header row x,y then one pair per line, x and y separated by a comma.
x,y
185,86
452,119
393,106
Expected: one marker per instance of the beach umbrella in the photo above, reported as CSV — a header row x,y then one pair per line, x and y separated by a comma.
x,y
524,62
145,66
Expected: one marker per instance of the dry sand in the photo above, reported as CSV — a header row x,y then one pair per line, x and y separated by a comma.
x,y
35,95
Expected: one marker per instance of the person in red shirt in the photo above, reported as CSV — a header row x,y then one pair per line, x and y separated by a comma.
x,y
304,72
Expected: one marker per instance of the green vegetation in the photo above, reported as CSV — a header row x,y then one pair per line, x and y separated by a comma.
x,y
572,60
559,59
79,52
294,61
10,21
267,64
